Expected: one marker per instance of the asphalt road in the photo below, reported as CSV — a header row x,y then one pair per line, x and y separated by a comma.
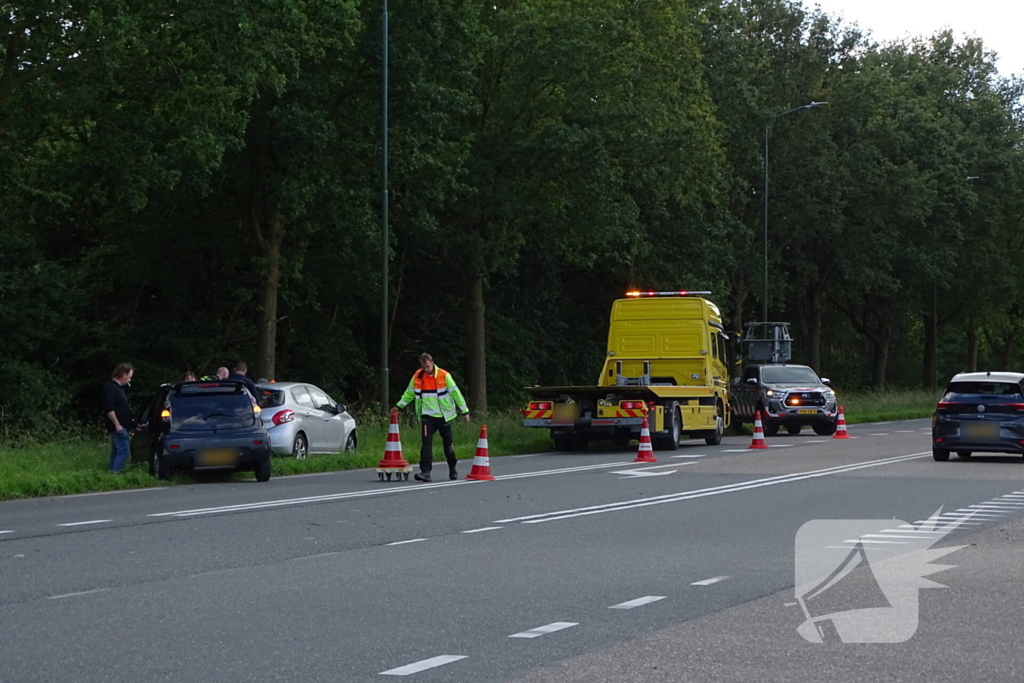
x,y
570,567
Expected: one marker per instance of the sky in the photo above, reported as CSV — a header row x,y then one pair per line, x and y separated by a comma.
x,y
997,22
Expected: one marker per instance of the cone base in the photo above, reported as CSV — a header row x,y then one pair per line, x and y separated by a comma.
x,y
841,436
641,459
757,447
480,477
400,463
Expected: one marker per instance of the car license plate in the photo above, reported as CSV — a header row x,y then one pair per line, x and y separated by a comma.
x,y
981,431
218,457
807,412
564,412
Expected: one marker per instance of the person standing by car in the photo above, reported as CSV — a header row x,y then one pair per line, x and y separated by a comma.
x,y
239,376
436,397
118,415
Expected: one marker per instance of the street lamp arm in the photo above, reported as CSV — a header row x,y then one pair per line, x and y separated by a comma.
x,y
811,105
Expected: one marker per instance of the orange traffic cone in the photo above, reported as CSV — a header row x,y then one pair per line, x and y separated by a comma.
x,y
481,461
393,462
645,453
758,441
841,426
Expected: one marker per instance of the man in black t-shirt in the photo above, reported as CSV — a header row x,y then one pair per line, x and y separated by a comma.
x,y
239,376
118,415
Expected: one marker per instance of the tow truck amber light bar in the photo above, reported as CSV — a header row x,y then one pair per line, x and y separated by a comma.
x,y
540,405
637,294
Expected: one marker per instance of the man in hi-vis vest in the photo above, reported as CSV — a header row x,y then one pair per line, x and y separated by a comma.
x,y
436,397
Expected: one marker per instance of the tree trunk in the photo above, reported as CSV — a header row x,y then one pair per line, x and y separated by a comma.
x,y
740,290
814,329
476,351
1006,357
270,236
928,364
972,349
880,362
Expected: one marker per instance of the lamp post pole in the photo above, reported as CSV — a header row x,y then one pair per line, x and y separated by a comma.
x,y
384,402
767,125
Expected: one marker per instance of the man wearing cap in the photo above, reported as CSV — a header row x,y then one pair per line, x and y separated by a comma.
x,y
437,398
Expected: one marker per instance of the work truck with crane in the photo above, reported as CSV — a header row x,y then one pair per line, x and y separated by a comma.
x,y
666,360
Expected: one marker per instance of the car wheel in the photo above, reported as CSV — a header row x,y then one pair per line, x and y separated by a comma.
x,y
562,443
940,456
825,428
770,428
262,471
794,430
300,447
158,468
350,442
963,454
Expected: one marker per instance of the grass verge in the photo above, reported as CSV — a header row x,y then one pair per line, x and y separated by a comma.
x,y
79,466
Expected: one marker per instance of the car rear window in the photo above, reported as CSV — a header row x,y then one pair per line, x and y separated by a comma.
x,y
788,376
962,390
211,411
271,398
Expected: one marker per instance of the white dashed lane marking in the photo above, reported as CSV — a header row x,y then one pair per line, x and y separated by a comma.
x,y
91,521
702,455
75,595
411,540
708,582
638,602
486,528
544,630
6,532
423,665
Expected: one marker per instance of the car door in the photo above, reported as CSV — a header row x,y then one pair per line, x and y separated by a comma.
x,y
748,392
334,429
147,427
312,422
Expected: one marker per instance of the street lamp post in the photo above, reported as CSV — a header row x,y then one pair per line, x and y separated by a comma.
x,y
384,402
767,124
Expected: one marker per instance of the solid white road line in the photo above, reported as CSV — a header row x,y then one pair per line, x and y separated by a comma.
x,y
708,582
411,540
423,665
638,602
73,595
91,521
781,445
486,528
544,630
905,431
816,441
737,450
700,493
880,434
6,532
702,455
363,494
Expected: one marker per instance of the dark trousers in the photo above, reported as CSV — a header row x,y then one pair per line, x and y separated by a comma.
x,y
430,425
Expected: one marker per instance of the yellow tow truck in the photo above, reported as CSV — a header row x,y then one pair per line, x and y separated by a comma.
x,y
666,358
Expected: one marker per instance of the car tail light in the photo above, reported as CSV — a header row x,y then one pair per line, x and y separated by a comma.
x,y
946,405
174,446
540,405
1019,407
631,405
257,410
165,415
283,416
257,443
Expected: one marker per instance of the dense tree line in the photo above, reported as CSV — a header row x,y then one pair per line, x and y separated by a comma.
x,y
186,185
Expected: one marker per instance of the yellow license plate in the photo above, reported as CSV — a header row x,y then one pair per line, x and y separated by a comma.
x,y
218,457
807,412
982,431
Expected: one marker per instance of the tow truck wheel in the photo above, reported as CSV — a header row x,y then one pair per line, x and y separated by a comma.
x,y
714,437
562,443
674,427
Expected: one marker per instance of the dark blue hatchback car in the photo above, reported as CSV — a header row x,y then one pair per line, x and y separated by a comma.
x,y
980,412
206,425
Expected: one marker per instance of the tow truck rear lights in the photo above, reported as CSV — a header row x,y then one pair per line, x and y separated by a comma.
x,y
283,416
631,405
540,405
683,292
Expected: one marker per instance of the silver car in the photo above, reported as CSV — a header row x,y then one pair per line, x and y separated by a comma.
x,y
302,419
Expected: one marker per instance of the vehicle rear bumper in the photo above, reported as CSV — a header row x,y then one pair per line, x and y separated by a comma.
x,y
195,458
282,437
609,422
792,416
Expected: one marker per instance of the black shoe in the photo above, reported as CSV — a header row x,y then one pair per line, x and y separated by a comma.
x,y
452,474
423,476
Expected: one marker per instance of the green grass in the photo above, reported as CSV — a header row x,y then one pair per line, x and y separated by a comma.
x,y
885,406
80,466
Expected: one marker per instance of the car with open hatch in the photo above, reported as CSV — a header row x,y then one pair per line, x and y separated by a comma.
x,y
302,419
205,425
980,412
789,396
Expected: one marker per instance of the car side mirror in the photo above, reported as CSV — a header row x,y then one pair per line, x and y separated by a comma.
x,y
341,408
752,381
826,381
